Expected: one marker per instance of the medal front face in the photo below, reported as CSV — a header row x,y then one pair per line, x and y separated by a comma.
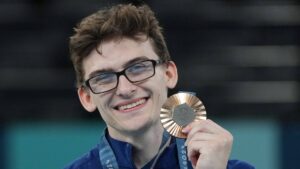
x,y
180,110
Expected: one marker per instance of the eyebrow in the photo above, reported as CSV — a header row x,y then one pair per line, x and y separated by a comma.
x,y
110,70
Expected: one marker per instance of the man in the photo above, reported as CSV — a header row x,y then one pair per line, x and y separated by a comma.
x,y
124,71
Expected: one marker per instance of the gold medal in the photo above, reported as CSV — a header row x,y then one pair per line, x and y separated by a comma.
x,y
180,110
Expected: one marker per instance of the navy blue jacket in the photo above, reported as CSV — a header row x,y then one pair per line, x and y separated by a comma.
x,y
123,153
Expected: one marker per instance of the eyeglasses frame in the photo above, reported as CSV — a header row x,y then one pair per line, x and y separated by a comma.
x,y
122,72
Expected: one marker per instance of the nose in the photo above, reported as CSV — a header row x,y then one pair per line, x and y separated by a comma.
x,y
125,88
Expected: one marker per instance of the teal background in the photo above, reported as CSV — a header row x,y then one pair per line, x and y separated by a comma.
x,y
52,145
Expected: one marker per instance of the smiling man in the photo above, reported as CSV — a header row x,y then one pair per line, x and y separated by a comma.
x,y
124,71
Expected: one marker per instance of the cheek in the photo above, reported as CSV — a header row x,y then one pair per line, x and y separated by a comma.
x,y
161,84
159,79
159,88
101,102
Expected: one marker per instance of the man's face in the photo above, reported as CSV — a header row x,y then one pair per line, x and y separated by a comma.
x,y
131,107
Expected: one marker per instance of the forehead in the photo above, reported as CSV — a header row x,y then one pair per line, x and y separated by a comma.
x,y
116,53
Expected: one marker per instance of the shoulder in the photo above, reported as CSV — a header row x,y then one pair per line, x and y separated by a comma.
x,y
89,160
237,164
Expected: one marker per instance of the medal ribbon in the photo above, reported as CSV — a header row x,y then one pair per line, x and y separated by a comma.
x,y
182,153
108,159
106,154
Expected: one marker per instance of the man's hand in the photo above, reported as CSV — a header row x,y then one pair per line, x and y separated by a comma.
x,y
208,145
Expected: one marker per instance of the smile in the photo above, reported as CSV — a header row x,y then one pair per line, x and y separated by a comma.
x,y
131,106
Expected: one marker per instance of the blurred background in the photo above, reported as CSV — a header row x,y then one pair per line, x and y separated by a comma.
x,y
241,57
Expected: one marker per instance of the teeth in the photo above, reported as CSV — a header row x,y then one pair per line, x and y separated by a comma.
x,y
131,105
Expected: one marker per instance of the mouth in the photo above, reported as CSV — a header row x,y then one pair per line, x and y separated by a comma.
x,y
131,105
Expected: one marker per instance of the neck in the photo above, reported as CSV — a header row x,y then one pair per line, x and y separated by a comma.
x,y
145,144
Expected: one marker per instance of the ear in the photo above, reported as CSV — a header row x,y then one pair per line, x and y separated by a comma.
x,y
172,75
86,100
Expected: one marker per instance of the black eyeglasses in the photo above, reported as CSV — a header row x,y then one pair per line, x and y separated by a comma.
x,y
137,72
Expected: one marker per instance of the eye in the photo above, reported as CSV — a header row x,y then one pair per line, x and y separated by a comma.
x,y
139,67
104,78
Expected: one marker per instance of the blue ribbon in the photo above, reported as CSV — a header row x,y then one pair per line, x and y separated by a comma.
x,y
182,153
108,159
106,154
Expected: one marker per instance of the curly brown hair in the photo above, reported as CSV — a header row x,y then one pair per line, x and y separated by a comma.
x,y
123,20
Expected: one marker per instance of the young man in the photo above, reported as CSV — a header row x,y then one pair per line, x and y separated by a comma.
x,y
124,71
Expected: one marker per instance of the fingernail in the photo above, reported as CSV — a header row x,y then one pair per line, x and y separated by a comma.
x,y
185,129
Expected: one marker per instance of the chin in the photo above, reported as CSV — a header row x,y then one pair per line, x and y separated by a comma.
x,y
138,126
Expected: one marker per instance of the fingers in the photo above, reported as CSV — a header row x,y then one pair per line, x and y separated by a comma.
x,y
196,151
208,144
200,137
204,126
